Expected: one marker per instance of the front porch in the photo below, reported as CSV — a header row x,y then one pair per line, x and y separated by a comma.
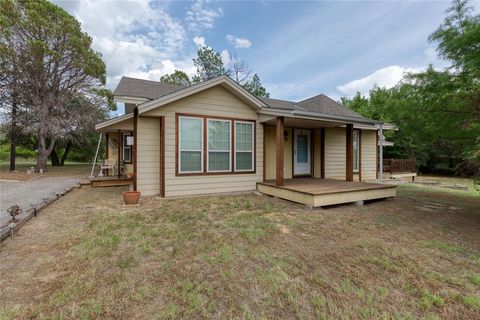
x,y
321,162
324,192
110,181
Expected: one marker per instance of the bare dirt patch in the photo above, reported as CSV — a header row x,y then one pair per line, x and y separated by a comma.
x,y
245,256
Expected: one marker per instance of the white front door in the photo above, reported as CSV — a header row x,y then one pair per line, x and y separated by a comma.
x,y
301,152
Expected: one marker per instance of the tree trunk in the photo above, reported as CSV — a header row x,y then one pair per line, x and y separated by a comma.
x,y
65,153
13,133
43,151
13,137
54,158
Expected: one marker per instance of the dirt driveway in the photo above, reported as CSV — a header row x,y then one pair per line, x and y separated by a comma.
x,y
26,193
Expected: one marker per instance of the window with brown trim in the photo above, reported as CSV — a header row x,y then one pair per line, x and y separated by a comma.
x,y
190,145
214,145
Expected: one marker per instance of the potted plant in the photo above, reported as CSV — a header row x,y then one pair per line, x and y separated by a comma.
x,y
131,197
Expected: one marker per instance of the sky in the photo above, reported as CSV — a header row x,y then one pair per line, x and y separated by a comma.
x,y
299,49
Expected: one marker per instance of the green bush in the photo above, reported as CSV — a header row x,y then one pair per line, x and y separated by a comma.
x,y
21,152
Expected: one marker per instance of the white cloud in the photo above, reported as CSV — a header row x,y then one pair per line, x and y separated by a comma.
x,y
225,58
199,17
386,77
238,42
135,38
199,41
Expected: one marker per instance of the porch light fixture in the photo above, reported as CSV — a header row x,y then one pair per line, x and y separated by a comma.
x,y
285,134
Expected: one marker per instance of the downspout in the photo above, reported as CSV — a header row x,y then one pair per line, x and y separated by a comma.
x,y
380,176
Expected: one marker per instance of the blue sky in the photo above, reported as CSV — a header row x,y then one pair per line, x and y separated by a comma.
x,y
299,49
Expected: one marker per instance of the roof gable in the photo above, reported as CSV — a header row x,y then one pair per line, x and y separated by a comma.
x,y
223,81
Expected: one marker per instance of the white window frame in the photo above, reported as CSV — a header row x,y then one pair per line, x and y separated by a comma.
x,y
357,170
229,149
235,146
180,145
126,147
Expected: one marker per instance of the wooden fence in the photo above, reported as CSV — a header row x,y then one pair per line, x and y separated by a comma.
x,y
399,165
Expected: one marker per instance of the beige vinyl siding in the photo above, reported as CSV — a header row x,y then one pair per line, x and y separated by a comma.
x,y
125,125
148,155
213,102
271,153
316,153
369,151
335,153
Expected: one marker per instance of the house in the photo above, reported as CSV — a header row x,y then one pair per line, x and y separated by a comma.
x,y
215,137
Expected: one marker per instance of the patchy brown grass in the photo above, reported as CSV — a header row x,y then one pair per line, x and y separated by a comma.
x,y
253,257
69,169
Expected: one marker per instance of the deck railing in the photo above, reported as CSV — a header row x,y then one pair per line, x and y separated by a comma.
x,y
399,165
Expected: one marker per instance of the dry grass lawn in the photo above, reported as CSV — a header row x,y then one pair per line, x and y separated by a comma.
x,y
69,169
249,257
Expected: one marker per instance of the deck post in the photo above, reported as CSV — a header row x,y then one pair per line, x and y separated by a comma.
x,y
349,152
279,146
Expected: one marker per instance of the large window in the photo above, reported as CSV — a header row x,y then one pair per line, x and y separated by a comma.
x,y
191,145
219,149
356,150
127,149
229,145
243,146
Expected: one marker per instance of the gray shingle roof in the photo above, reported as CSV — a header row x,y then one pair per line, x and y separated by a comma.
x,y
132,87
324,104
281,104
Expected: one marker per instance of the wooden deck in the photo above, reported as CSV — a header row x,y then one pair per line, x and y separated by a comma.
x,y
110,181
325,192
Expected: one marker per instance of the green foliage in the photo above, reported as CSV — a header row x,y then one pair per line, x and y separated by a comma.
x,y
21,152
51,74
178,77
209,65
437,112
254,86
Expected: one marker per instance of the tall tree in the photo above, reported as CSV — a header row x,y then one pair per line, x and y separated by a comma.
x,y
178,77
437,112
55,63
256,88
79,130
240,71
209,65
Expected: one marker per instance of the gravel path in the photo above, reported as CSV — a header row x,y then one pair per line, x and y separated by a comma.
x,y
24,193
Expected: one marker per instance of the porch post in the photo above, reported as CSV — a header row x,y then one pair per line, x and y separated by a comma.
x,y
134,149
349,153
119,151
279,157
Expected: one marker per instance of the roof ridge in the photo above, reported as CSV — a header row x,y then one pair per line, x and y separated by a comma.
x,y
153,81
